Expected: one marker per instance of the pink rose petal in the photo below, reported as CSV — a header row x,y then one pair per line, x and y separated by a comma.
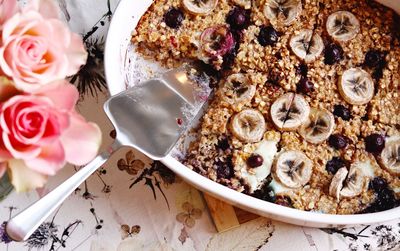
x,y
81,140
63,95
76,53
18,150
49,161
19,24
60,33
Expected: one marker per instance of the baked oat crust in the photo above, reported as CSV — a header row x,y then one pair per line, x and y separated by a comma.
x,y
275,70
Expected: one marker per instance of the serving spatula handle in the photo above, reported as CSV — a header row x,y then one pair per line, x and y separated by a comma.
x,y
21,226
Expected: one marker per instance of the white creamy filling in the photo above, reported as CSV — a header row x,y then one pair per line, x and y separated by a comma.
x,y
267,150
278,188
367,168
392,138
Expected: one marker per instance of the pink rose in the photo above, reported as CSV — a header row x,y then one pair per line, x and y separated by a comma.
x,y
37,48
43,131
7,9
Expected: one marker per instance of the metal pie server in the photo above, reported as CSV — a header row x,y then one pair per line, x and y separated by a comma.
x,y
150,117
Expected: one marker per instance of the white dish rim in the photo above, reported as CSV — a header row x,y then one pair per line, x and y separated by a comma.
x,y
115,49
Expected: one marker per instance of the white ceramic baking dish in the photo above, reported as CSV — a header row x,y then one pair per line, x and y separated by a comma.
x,y
123,23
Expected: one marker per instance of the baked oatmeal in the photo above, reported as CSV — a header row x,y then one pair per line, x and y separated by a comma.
x,y
306,111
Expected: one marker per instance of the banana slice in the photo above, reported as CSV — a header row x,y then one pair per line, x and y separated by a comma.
x,y
354,183
238,89
243,3
307,45
282,12
289,111
337,182
348,184
248,125
200,7
356,86
342,26
293,169
390,157
318,127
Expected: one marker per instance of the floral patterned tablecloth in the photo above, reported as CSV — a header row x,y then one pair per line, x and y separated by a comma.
x,y
132,203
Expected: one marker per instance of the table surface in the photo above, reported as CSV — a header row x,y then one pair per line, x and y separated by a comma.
x,y
132,203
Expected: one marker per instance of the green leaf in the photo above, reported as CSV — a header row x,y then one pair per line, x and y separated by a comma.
x,y
5,187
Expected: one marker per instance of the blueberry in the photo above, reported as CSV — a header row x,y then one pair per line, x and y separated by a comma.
x,y
378,73
342,112
237,36
333,165
255,160
378,184
223,144
284,201
385,200
302,70
225,169
305,86
238,18
338,141
265,193
229,60
268,36
374,143
333,54
173,18
374,58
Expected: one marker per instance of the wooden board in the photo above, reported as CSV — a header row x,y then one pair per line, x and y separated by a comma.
x,y
226,216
